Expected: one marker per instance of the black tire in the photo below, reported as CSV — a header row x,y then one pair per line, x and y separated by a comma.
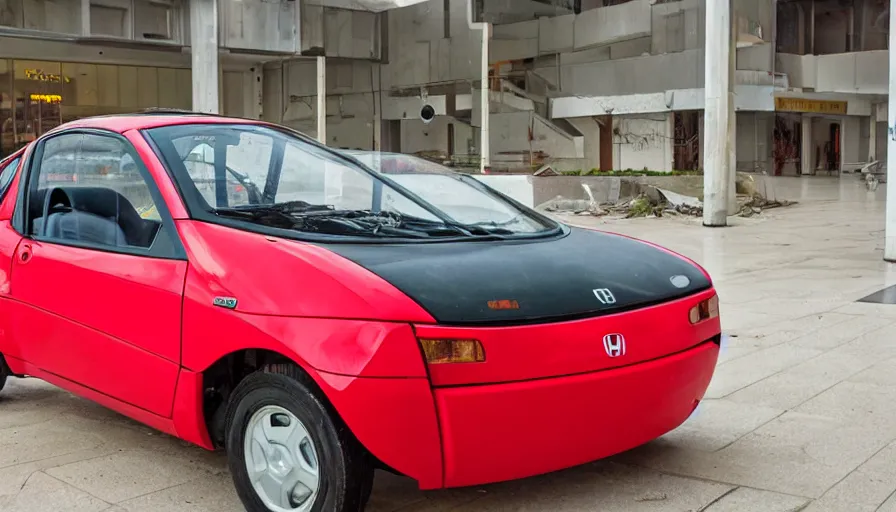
x,y
346,469
4,372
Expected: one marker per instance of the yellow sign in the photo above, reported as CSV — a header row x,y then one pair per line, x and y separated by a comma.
x,y
46,98
810,106
40,76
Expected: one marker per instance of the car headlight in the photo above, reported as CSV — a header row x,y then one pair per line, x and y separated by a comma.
x,y
439,351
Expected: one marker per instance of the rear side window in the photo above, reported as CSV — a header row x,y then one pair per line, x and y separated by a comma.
x,y
7,174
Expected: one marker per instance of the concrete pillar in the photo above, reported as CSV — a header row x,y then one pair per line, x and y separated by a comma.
x,y
716,159
273,96
872,135
731,204
806,148
890,245
204,50
322,99
590,131
484,145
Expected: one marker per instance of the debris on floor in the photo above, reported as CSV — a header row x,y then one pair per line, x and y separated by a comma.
x,y
653,201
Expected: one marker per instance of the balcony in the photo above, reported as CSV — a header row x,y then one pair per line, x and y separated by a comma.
x,y
848,73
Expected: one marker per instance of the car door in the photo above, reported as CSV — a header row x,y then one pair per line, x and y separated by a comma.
x,y
100,272
9,240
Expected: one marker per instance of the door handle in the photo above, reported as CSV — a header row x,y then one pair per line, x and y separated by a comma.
x,y
25,253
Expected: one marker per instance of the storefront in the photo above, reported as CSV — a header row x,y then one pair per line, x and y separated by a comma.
x,y
814,136
37,96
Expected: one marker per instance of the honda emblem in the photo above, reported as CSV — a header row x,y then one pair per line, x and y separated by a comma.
x,y
605,296
614,344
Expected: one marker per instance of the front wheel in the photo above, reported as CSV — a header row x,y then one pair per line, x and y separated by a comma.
x,y
285,452
4,372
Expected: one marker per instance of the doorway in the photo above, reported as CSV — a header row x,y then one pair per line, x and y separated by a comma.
x,y
827,143
686,146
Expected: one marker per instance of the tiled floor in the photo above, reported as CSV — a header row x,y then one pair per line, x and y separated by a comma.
x,y
800,415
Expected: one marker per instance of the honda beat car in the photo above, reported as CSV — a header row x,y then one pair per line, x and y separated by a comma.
x,y
240,286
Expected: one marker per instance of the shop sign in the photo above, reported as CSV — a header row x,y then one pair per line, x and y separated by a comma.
x,y
40,76
810,106
46,98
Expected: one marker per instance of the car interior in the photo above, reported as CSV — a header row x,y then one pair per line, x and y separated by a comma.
x,y
93,215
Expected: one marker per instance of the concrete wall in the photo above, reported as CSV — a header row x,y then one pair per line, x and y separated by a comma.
x,y
746,97
510,144
643,142
572,33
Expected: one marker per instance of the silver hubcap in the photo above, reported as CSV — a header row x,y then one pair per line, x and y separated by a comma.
x,y
281,460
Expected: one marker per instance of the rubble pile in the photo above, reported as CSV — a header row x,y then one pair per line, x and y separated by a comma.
x,y
755,205
657,202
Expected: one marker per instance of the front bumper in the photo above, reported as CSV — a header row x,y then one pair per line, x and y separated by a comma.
x,y
492,433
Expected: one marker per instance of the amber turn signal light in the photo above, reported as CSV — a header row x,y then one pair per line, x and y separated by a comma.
x,y
706,310
453,351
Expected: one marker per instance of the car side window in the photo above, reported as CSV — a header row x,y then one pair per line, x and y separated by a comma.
x,y
86,189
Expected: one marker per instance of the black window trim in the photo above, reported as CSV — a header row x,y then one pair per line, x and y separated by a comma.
x,y
173,251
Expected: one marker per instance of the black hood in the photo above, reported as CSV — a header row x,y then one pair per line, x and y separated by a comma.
x,y
581,274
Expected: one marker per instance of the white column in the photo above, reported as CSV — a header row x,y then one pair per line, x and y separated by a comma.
x,y
872,134
716,160
322,99
731,203
85,18
806,148
484,147
204,49
890,246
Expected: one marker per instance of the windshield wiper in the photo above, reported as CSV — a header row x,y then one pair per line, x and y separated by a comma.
x,y
325,219
284,207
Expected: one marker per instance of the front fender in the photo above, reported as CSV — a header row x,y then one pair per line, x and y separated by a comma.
x,y
371,372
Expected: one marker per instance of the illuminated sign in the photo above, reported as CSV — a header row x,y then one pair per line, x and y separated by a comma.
x,y
46,98
40,76
810,106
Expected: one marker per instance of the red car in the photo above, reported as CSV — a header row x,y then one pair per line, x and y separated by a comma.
x,y
238,285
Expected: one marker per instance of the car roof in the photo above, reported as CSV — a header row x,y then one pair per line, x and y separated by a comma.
x,y
121,123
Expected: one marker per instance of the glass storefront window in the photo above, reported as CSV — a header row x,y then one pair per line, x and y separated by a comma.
x,y
37,96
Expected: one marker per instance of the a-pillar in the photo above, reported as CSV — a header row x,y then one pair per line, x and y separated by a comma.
x,y
890,245
716,156
204,50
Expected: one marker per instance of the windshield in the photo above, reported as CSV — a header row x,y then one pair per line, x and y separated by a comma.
x,y
269,177
459,195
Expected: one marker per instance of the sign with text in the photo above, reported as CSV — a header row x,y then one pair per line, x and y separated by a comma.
x,y
810,106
